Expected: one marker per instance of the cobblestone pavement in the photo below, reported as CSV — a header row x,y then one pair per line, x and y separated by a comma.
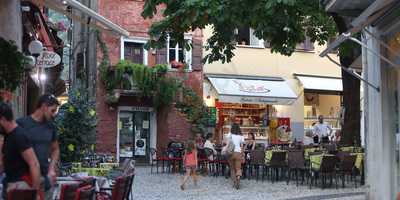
x,y
166,187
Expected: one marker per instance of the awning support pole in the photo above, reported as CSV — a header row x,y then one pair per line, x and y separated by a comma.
x,y
374,52
354,74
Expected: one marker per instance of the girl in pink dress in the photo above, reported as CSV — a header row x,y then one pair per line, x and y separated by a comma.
x,y
190,163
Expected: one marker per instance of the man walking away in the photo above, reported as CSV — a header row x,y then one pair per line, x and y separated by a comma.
x,y
42,133
20,163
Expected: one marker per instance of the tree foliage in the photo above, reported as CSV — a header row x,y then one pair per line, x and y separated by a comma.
x,y
284,23
12,63
76,125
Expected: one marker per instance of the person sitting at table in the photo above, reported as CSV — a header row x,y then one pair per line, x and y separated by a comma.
x,y
209,145
199,141
322,130
251,142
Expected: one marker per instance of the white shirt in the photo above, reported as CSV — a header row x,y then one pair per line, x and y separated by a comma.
x,y
322,130
209,145
237,140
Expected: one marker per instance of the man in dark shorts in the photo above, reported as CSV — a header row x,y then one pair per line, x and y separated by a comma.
x,y
42,133
20,163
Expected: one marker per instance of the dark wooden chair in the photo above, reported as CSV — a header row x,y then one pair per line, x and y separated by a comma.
x,y
85,193
276,165
296,165
118,190
256,163
68,191
327,168
210,160
346,168
129,185
21,195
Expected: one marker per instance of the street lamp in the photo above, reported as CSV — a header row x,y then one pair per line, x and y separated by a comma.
x,y
36,48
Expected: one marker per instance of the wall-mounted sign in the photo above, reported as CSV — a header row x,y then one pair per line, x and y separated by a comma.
x,y
48,59
141,109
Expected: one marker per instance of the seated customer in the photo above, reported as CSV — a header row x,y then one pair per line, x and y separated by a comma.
x,y
20,163
209,145
251,142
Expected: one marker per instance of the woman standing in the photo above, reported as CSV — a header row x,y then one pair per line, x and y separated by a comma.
x,y
190,163
236,159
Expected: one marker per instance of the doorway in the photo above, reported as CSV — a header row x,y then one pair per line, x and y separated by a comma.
x,y
134,136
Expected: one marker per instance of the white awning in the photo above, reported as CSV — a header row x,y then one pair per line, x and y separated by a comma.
x,y
253,90
59,6
321,83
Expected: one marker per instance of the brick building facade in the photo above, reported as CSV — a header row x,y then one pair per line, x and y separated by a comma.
x,y
160,126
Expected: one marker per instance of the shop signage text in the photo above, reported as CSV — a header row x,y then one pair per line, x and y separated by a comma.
x,y
48,59
251,88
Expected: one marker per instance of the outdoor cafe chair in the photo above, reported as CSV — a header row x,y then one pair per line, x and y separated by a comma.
x,y
326,167
119,190
276,164
296,165
346,167
127,167
157,158
21,194
68,191
210,160
85,193
256,162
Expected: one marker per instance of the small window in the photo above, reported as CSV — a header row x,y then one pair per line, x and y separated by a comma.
x,y
134,52
245,37
307,45
178,53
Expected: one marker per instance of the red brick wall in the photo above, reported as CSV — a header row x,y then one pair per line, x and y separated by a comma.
x,y
170,124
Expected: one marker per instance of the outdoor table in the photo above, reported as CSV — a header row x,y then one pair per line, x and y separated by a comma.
x,y
351,149
307,151
359,160
92,171
315,160
109,165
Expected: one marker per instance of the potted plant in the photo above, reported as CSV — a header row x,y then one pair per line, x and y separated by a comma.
x,y
12,68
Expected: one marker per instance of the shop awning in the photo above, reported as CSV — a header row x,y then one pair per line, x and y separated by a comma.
x,y
59,6
253,90
320,83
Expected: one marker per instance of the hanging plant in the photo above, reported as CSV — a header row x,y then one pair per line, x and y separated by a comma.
x,y
12,66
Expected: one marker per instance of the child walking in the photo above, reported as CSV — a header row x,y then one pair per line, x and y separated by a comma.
x,y
190,163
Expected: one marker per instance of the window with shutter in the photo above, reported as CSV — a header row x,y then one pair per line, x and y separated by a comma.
x,y
134,52
177,52
245,37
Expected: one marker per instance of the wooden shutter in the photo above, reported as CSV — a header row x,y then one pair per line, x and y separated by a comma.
x,y
197,55
161,56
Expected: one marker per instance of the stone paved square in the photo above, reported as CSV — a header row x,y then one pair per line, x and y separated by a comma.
x,y
165,186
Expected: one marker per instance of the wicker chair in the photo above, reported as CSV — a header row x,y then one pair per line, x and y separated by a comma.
x,y
327,167
296,164
346,167
256,163
85,193
277,164
68,191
